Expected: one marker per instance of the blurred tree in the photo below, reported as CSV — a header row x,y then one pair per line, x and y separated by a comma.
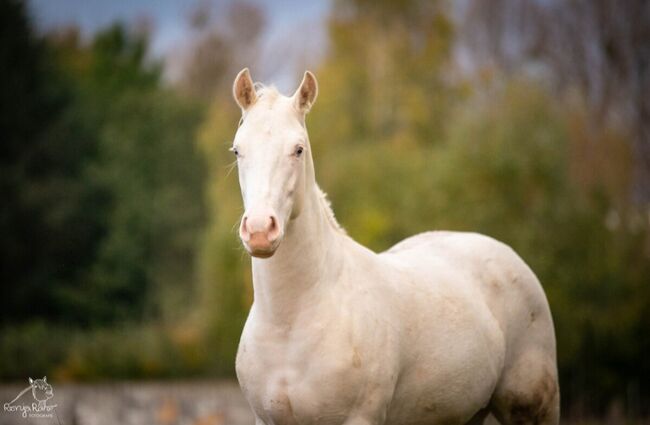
x,y
100,177
220,48
599,48
391,58
147,164
119,63
226,285
146,260
48,236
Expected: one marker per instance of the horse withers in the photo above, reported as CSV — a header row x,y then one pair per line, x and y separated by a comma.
x,y
443,328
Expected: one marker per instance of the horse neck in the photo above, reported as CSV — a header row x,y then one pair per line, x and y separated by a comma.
x,y
309,255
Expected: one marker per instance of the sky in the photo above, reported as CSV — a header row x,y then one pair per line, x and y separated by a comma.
x,y
169,17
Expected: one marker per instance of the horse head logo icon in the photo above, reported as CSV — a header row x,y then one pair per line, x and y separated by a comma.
x,y
41,390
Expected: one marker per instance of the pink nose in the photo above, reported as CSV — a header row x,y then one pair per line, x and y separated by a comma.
x,y
259,231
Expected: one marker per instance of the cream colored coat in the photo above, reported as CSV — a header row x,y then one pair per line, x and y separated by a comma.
x,y
443,328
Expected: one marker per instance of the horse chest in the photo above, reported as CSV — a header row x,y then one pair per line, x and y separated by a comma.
x,y
288,382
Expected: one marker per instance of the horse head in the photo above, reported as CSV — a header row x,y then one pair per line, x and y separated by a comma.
x,y
41,390
273,158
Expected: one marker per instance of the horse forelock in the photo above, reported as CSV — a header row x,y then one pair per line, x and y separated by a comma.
x,y
266,94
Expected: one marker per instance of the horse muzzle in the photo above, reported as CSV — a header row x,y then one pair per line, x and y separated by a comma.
x,y
261,233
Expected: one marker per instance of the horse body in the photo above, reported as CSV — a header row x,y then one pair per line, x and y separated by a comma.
x,y
442,328
484,330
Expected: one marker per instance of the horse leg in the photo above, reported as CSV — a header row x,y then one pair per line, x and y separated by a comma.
x,y
528,392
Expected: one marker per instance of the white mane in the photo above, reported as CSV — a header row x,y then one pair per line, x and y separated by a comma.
x,y
327,206
268,93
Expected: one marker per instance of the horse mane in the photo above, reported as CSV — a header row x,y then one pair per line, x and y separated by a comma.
x,y
327,206
269,93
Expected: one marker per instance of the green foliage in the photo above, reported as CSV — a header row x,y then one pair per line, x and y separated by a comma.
x,y
392,63
118,61
32,348
131,353
155,178
118,352
47,236
224,266
101,180
152,177
102,190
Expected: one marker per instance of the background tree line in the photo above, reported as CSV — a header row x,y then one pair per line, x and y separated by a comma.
x,y
119,201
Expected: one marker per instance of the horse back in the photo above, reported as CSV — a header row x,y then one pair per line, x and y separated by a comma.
x,y
493,272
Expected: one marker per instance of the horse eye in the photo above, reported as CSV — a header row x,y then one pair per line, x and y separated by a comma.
x,y
234,150
299,150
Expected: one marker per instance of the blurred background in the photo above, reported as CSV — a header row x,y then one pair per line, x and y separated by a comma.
x,y
528,121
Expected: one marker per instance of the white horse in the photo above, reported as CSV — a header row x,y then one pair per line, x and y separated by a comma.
x,y
443,328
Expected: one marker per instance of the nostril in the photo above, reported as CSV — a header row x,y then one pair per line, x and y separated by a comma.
x,y
243,229
274,229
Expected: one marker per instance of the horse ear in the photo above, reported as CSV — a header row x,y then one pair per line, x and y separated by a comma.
x,y
45,379
306,94
243,90
31,381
